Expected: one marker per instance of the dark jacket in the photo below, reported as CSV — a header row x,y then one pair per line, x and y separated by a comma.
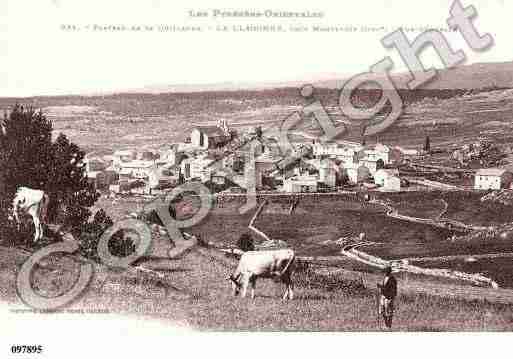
x,y
389,287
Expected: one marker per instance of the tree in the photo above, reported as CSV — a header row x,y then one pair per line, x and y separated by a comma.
x,y
427,144
70,192
30,158
25,145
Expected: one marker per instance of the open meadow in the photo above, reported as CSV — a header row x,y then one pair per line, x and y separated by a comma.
x,y
195,293
318,222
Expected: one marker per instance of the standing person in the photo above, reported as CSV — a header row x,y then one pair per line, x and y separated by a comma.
x,y
388,292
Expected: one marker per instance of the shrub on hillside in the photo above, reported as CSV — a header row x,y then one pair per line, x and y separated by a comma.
x,y
29,157
9,235
91,232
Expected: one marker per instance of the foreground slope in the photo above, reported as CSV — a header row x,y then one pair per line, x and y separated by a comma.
x,y
195,293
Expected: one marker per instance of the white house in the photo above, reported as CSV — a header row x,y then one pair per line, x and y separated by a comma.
x,y
324,149
124,156
382,174
375,153
328,172
492,178
169,155
357,173
205,137
345,153
137,169
392,183
298,184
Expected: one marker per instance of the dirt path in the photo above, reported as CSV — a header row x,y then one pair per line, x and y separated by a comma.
x,y
440,222
460,256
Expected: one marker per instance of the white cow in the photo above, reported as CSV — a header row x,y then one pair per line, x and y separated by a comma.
x,y
34,203
264,264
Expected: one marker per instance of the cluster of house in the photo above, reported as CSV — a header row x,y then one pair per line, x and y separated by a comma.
x,y
493,179
151,171
353,163
334,164
227,160
472,151
124,171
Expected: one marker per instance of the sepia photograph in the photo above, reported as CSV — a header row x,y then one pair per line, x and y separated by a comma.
x,y
305,179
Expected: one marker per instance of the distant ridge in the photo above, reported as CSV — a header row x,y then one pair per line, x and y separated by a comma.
x,y
474,76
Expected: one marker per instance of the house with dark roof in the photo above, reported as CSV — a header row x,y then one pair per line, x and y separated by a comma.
x,y
208,137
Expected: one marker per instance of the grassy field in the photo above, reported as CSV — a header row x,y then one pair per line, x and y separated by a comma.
x,y
195,293
462,206
311,229
316,224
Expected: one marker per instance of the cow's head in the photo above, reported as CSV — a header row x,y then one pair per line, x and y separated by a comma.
x,y
16,204
235,283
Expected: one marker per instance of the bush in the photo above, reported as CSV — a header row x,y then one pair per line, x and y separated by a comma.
x,y
29,157
120,245
9,235
91,232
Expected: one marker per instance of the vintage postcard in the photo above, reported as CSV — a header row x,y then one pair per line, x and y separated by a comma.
x,y
169,170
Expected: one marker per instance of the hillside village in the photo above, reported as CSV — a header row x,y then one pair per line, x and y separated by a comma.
x,y
220,157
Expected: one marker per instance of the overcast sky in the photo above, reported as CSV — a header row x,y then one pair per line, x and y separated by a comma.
x,y
39,58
